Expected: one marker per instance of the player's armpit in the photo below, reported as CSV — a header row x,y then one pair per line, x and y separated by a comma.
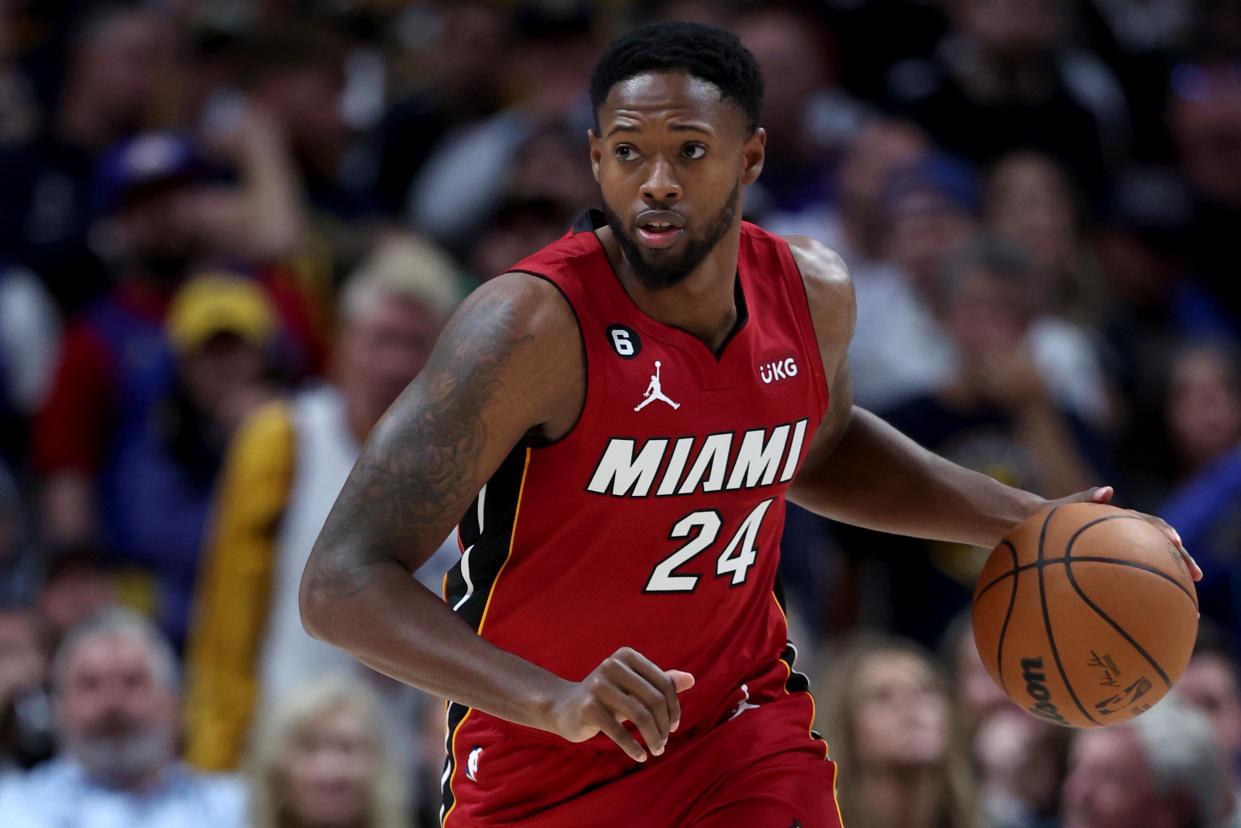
x,y
508,364
833,311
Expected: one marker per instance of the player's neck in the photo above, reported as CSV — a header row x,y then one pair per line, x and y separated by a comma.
x,y
704,305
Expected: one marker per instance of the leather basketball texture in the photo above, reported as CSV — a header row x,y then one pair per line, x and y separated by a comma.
x,y
1085,615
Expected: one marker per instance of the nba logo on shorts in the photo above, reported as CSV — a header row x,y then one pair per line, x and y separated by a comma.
x,y
471,764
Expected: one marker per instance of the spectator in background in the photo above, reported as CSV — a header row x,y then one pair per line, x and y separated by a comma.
x,y
927,210
1162,769
20,115
807,119
1203,416
987,303
29,330
117,56
1205,122
853,225
1020,761
294,72
1157,305
321,756
78,586
224,335
465,177
463,79
548,187
1021,766
25,708
115,364
1004,79
548,166
1212,683
975,693
886,712
995,413
1020,433
116,706
902,348
22,564
283,473
1030,201
518,228
1140,42
1203,407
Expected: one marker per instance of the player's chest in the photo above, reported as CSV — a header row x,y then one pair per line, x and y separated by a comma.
x,y
650,380
668,418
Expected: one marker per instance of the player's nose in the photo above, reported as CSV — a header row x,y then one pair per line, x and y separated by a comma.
x,y
661,184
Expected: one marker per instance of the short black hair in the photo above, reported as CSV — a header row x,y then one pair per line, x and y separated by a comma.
x,y
705,52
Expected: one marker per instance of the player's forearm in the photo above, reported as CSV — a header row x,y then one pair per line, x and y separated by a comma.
x,y
880,479
396,626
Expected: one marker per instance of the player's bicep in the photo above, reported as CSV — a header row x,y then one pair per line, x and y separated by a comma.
x,y
501,368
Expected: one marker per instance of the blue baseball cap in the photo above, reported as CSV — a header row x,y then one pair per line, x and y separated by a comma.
x,y
142,163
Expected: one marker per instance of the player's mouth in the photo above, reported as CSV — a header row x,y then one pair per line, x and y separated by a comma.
x,y
660,228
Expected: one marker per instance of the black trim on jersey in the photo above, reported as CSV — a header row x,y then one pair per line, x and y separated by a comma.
x,y
581,336
743,316
589,221
777,589
796,682
487,545
456,713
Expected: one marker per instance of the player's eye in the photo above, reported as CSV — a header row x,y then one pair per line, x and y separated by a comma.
x,y
625,152
693,151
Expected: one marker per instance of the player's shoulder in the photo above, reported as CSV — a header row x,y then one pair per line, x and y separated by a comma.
x,y
522,304
829,287
819,264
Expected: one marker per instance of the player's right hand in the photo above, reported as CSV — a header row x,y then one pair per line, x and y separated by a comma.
x,y
625,687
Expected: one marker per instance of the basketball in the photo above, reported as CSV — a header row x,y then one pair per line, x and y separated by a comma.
x,y
1085,614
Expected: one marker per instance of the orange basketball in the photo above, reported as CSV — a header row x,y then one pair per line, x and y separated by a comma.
x,y
1085,615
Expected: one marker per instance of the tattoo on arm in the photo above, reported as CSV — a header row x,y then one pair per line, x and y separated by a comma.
x,y
421,462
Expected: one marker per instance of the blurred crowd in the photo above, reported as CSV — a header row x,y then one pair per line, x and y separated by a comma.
x,y
231,230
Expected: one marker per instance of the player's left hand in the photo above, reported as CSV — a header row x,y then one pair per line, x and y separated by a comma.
x,y
1103,494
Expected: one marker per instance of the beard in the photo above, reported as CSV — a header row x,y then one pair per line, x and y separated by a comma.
x,y
122,756
659,269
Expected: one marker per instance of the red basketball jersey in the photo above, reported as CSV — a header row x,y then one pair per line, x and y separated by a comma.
x,y
655,523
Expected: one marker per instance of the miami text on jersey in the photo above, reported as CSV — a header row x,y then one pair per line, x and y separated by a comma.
x,y
711,465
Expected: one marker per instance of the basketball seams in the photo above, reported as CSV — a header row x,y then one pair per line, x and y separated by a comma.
x,y
1153,570
1012,599
1051,639
1092,559
1127,627
1068,570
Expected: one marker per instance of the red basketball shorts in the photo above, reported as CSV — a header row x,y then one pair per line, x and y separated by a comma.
x,y
759,769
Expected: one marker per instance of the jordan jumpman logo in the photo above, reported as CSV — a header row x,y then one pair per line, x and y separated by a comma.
x,y
654,392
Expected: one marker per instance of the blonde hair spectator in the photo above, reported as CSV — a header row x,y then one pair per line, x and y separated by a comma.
x,y
407,267
886,711
365,786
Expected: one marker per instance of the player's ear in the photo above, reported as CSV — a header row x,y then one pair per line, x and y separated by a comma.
x,y
753,153
596,151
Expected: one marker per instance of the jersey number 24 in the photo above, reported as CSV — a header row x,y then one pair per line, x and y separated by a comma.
x,y
734,561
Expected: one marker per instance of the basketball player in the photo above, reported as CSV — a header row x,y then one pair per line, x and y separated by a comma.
x,y
615,425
